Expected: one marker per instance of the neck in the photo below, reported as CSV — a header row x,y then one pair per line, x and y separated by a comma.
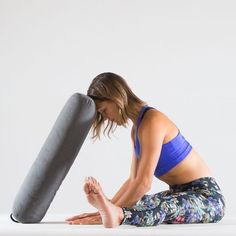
x,y
133,115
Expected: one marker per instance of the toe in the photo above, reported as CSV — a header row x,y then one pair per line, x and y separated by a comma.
x,y
86,188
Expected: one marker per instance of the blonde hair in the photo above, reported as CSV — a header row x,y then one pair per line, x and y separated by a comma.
x,y
108,86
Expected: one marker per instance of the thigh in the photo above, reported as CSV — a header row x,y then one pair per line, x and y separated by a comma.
x,y
191,207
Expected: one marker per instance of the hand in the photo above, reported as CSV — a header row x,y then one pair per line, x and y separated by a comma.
x,y
89,220
86,219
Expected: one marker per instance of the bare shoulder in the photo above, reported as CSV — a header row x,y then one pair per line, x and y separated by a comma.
x,y
157,122
155,118
153,121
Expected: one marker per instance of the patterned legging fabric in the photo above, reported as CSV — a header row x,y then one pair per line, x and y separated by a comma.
x,y
199,201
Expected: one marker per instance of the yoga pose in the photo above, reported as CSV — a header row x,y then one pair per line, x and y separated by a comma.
x,y
160,150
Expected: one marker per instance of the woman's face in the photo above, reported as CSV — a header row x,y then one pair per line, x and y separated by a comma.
x,y
109,110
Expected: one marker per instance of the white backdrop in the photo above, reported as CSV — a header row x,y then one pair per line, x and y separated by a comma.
x,y
179,56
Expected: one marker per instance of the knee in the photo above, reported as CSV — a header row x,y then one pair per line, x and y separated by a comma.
x,y
216,213
220,209
219,213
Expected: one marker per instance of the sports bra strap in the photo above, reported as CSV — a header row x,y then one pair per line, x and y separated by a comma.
x,y
141,113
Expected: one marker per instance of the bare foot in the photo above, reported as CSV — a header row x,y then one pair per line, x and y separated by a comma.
x,y
111,214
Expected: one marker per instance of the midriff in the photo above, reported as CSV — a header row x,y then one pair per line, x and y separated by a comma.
x,y
191,168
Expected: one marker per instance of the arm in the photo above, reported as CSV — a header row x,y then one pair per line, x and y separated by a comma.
x,y
120,192
151,135
92,218
116,199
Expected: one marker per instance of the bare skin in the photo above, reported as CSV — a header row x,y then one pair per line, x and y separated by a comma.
x,y
161,129
111,214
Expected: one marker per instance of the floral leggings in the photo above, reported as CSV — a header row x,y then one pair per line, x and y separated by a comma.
x,y
199,201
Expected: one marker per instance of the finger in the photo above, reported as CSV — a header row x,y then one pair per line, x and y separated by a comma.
x,y
77,222
78,216
83,215
87,221
74,217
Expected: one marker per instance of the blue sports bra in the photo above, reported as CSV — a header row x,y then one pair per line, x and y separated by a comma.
x,y
172,152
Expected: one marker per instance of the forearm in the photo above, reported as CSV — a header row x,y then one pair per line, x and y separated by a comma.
x,y
132,194
120,192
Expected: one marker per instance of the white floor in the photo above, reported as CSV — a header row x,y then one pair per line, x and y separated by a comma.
x,y
54,225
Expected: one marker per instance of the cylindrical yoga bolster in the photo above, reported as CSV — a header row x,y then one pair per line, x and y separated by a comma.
x,y
54,159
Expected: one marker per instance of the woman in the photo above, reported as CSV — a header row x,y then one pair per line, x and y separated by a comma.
x,y
160,150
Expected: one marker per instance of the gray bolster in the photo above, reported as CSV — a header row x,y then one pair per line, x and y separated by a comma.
x,y
54,159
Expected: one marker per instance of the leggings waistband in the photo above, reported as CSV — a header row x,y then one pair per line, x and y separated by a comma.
x,y
204,183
